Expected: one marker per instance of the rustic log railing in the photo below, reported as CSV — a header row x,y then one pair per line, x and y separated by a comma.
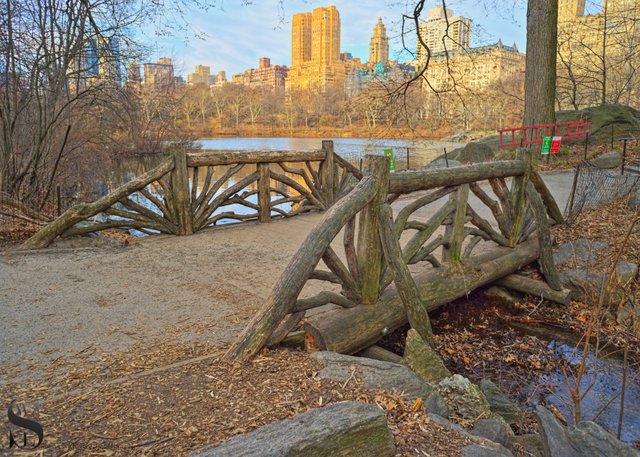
x,y
189,192
378,249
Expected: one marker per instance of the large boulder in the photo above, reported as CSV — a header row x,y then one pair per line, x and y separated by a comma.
x,y
495,430
588,284
587,439
499,402
634,200
375,374
348,428
464,398
581,253
475,153
611,159
441,162
380,375
423,359
623,119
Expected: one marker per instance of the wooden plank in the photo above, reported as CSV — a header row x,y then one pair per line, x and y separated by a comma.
x,y
411,181
457,228
538,288
215,157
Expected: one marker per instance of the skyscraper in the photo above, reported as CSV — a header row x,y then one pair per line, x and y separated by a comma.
x,y
159,75
300,39
315,51
200,76
442,31
379,45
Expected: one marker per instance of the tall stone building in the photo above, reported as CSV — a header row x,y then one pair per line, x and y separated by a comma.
x,y
315,51
442,31
598,53
476,68
379,45
158,76
266,76
200,76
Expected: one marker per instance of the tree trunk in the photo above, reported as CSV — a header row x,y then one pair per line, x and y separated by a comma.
x,y
540,76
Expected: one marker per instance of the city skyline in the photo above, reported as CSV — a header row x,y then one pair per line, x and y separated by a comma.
x,y
226,47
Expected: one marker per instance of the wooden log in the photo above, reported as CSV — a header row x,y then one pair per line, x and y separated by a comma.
x,y
307,180
327,172
264,193
411,181
328,276
377,353
457,228
224,157
350,250
288,287
283,330
369,248
547,197
407,211
211,192
209,208
293,340
351,330
519,199
494,206
205,188
348,167
181,194
78,213
298,188
349,286
530,286
323,298
547,265
405,285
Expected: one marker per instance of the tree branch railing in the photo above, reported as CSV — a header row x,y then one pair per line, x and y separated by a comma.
x,y
442,226
189,192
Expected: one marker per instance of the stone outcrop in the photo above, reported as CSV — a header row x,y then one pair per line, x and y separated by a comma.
x,y
348,428
423,359
499,402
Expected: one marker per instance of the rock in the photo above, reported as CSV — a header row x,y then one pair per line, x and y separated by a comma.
x,y
435,404
611,159
531,443
624,120
581,253
465,399
634,200
593,441
587,284
476,153
441,162
348,428
423,359
499,403
375,374
483,442
494,430
476,450
554,437
587,439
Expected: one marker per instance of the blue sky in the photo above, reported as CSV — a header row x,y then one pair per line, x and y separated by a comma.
x,y
235,35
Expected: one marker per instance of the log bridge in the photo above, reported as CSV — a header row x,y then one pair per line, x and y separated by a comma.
x,y
192,191
373,283
388,270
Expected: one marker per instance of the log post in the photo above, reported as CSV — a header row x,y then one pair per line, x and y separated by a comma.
x,y
519,196
547,265
327,176
264,193
406,286
457,228
181,194
369,248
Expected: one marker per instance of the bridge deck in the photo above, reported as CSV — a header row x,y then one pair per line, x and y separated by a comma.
x,y
201,287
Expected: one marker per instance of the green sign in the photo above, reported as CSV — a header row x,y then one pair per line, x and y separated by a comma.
x,y
392,160
546,145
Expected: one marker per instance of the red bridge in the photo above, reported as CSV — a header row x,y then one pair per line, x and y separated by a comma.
x,y
534,134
